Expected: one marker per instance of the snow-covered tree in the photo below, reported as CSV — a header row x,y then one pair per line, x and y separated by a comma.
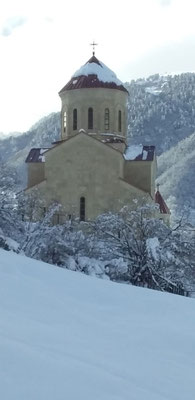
x,y
9,223
153,252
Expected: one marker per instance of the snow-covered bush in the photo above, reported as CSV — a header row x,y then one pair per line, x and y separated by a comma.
x,y
156,256
129,246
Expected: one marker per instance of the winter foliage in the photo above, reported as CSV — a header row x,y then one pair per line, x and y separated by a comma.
x,y
131,246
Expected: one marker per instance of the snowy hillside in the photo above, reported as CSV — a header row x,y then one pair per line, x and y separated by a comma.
x,y
15,148
161,110
67,336
176,175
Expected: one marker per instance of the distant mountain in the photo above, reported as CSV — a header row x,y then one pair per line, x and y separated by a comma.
x,y
14,149
161,112
176,175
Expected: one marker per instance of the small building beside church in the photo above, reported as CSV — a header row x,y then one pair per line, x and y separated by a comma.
x,y
91,170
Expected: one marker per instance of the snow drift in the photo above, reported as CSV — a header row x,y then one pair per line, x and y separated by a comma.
x,y
64,335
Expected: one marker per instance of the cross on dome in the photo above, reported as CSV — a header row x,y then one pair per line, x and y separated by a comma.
x,y
93,44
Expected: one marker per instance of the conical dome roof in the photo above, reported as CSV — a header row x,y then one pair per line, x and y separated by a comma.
x,y
94,74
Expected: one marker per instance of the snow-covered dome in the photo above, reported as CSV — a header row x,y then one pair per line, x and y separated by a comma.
x,y
94,74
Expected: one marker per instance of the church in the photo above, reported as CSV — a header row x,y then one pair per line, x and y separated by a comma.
x,y
90,170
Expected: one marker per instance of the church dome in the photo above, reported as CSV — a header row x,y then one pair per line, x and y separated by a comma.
x,y
94,100
94,74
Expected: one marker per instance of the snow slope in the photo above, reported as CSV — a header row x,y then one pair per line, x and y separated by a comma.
x,y
64,335
176,175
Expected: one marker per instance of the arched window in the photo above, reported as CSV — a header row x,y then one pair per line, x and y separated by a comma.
x,y
90,118
74,119
65,120
82,209
119,121
107,119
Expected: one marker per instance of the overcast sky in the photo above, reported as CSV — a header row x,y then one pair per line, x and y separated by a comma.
x,y
43,42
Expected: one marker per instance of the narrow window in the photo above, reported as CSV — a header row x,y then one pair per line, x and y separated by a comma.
x,y
82,209
90,118
58,218
119,121
65,118
107,119
74,119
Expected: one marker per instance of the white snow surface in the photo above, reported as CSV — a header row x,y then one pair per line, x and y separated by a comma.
x,y
153,246
145,155
153,90
42,157
42,151
64,335
133,151
104,74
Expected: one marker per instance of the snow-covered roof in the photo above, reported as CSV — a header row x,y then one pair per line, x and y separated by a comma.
x,y
139,152
96,67
94,74
36,155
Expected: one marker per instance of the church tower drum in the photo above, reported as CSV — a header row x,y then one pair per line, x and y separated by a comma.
x,y
95,101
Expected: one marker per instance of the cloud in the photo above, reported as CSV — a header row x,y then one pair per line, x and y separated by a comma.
x,y
11,24
165,3
171,58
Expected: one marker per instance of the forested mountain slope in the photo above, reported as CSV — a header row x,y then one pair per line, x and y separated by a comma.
x,y
161,110
176,175
14,149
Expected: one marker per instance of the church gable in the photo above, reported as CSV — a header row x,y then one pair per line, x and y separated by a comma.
x,y
84,159
83,168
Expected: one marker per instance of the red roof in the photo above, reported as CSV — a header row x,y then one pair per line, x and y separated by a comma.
x,y
91,81
162,205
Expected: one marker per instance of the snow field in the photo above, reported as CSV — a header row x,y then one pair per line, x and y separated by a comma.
x,y
64,335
